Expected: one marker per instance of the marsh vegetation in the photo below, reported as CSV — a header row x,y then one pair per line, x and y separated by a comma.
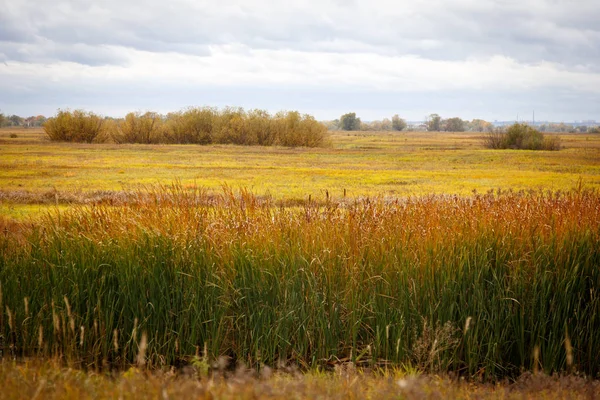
x,y
486,284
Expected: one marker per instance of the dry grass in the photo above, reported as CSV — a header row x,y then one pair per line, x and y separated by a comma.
x,y
51,381
375,281
358,164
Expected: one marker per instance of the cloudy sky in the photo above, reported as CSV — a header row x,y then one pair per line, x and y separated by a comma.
x,y
491,59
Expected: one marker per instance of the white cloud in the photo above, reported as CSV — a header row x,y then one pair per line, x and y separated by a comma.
x,y
375,46
232,65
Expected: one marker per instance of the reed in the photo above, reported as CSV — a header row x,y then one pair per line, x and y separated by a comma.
x,y
443,283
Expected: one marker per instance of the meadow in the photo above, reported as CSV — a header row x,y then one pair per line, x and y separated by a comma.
x,y
390,253
37,171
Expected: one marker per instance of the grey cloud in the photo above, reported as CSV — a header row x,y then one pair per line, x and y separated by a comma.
x,y
51,52
549,103
556,31
12,31
103,33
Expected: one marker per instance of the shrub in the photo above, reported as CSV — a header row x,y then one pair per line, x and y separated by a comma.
x,y
521,136
145,128
205,125
303,131
75,126
231,127
194,125
262,124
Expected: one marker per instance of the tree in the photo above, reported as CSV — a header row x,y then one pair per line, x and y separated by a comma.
x,y
15,120
332,125
434,122
398,124
479,125
39,120
1,119
349,122
454,125
386,125
370,126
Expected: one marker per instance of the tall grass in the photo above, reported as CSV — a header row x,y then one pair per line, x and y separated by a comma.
x,y
471,285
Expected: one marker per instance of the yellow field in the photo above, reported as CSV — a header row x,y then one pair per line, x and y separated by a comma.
x,y
35,170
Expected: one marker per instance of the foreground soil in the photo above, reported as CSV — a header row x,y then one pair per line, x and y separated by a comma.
x,y
48,381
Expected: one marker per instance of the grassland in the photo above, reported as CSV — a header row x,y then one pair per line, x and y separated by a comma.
x,y
443,276
361,164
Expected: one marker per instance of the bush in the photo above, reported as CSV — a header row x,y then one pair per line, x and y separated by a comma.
x,y
145,128
194,125
261,122
230,127
300,130
237,126
75,126
520,136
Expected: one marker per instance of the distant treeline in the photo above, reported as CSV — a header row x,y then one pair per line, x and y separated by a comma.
x,y
206,125
436,123
351,122
433,123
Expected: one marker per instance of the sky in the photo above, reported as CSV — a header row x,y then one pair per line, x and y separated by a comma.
x,y
489,59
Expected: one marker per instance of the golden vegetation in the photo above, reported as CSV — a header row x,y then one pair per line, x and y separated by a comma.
x,y
191,126
76,126
443,283
53,381
35,170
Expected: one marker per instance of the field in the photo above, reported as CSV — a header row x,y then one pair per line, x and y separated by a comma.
x,y
35,170
387,254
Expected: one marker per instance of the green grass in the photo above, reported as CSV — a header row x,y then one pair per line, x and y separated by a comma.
x,y
372,281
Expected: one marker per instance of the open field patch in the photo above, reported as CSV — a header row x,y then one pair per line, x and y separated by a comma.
x,y
399,164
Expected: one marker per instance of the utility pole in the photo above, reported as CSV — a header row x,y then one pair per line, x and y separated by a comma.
x,y
533,117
